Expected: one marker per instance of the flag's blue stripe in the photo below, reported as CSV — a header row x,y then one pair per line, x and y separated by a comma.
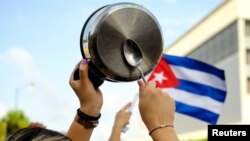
x,y
197,112
201,89
195,65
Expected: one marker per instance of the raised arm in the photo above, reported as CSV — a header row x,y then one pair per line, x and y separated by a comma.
x,y
121,120
157,110
91,101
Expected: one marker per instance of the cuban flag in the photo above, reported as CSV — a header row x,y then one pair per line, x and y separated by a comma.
x,y
198,88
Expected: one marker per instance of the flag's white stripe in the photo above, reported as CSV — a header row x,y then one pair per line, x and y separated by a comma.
x,y
195,100
198,77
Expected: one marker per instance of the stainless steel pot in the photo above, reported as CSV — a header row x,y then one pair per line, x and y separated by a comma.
x,y
104,34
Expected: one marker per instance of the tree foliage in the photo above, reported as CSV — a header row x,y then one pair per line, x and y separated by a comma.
x,y
15,119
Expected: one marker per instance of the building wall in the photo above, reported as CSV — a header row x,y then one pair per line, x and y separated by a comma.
x,y
222,51
224,56
218,47
242,8
224,30
205,29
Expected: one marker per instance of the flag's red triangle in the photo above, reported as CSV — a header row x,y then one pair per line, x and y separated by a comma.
x,y
163,75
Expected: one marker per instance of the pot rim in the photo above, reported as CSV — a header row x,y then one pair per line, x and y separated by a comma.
x,y
88,38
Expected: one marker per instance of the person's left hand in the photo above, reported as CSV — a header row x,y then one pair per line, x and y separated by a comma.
x,y
91,99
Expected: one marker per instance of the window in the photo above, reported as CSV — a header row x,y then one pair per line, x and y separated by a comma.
x,y
220,46
248,85
248,56
247,29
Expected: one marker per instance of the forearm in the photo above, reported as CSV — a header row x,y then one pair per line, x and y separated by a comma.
x,y
91,101
116,133
78,132
80,129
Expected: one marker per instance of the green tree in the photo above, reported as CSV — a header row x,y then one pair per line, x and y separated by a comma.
x,y
15,120
3,129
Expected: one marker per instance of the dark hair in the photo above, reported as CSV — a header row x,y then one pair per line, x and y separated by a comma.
x,y
37,134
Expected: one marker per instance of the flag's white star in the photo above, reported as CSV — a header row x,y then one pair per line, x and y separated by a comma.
x,y
159,77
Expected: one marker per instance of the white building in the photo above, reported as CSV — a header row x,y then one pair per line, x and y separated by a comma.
x,y
222,38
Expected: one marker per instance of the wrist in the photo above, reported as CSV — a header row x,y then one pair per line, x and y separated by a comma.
x,y
86,120
90,110
117,127
153,123
163,134
160,127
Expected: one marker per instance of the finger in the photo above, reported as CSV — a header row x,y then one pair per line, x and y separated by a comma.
x,y
99,92
71,79
141,85
159,91
83,71
125,107
151,84
129,114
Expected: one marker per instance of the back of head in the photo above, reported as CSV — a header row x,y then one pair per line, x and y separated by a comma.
x,y
37,134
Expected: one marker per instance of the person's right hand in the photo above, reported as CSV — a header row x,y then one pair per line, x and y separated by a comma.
x,y
91,99
122,117
121,120
156,107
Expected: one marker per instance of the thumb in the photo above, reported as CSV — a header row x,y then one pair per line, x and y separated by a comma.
x,y
141,85
83,70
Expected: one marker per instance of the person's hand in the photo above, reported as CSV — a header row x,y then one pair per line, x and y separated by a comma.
x,y
91,99
121,120
122,117
37,124
156,108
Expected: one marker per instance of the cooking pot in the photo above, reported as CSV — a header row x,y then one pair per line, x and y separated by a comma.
x,y
105,32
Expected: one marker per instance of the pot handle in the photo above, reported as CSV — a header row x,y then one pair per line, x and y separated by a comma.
x,y
95,76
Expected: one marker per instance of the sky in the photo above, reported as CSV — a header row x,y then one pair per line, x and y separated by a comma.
x,y
39,46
